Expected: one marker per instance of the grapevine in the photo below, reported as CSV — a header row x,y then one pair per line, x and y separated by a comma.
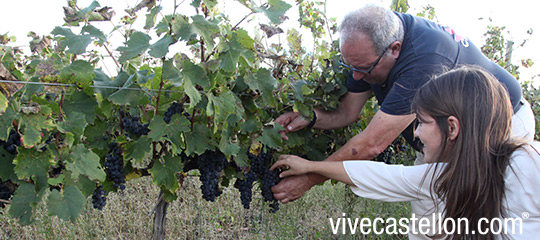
x,y
162,114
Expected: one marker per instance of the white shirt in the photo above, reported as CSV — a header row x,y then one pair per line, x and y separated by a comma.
x,y
396,183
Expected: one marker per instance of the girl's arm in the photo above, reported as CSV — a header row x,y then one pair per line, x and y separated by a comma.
x,y
295,165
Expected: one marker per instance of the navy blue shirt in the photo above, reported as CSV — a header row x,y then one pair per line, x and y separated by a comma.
x,y
427,50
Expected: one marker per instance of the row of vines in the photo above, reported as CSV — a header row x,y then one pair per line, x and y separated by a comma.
x,y
73,133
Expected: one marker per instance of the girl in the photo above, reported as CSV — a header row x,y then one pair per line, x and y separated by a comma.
x,y
475,170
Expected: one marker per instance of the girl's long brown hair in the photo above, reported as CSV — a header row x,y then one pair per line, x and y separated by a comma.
x,y
472,182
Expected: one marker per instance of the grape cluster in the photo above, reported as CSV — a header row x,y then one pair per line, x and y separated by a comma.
x,y
210,164
14,140
259,165
398,145
114,166
98,198
386,155
245,187
5,193
133,126
173,109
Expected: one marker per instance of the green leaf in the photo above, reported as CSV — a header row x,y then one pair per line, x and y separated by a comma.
x,y
225,105
88,9
33,124
275,10
198,140
66,206
3,103
6,122
182,28
193,75
270,137
81,102
151,17
105,86
6,161
79,72
23,202
84,161
30,164
94,32
229,59
171,72
205,29
75,123
227,145
76,43
164,174
138,43
161,47
265,83
139,150
128,94
177,125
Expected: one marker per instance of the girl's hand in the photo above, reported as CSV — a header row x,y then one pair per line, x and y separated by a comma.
x,y
293,165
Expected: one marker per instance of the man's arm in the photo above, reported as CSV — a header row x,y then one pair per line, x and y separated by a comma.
x,y
380,132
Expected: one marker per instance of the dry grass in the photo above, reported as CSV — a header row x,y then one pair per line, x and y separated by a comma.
x,y
126,216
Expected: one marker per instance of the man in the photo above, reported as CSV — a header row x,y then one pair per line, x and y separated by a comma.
x,y
391,55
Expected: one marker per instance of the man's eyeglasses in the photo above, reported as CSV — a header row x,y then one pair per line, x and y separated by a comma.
x,y
361,70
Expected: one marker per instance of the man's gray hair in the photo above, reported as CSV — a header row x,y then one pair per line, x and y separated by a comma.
x,y
378,23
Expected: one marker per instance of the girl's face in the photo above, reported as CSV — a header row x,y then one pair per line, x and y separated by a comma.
x,y
430,136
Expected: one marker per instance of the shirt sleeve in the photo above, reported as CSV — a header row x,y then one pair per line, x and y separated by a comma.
x,y
390,183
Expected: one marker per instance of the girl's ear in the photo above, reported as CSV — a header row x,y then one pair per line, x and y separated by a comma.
x,y
453,128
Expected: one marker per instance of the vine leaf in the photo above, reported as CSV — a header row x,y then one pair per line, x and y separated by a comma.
x,y
80,102
161,47
76,43
3,103
137,44
23,202
106,86
79,72
66,206
275,10
227,145
84,161
94,32
270,136
198,140
6,121
30,164
151,17
34,123
193,75
75,123
128,94
230,58
205,29
6,161
171,73
265,83
223,106
164,173
140,149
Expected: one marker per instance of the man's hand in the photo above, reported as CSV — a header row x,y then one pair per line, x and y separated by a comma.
x,y
291,121
291,188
